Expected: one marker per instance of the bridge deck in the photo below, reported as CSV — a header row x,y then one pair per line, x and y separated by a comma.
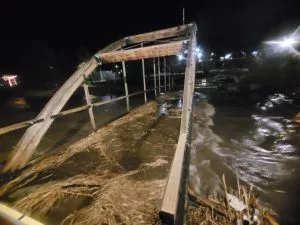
x,y
117,166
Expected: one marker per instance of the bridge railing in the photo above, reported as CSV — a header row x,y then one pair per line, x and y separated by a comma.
x,y
28,123
173,204
26,146
173,201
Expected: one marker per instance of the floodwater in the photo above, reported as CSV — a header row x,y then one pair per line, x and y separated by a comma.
x,y
258,140
64,130
148,142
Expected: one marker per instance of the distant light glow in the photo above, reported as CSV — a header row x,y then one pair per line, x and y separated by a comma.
x,y
286,43
222,58
116,66
228,56
199,55
212,54
11,79
197,49
180,57
254,53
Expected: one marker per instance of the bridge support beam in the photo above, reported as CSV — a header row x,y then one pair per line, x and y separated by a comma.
x,y
125,86
169,78
88,101
158,68
144,78
172,209
165,74
154,77
26,146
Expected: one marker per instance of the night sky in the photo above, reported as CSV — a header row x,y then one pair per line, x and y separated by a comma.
x,y
67,25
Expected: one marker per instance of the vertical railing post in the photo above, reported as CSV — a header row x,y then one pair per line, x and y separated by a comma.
x,y
144,79
125,86
173,204
154,77
165,74
88,101
158,65
169,78
172,81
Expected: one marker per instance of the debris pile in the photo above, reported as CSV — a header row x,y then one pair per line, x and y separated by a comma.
x,y
237,207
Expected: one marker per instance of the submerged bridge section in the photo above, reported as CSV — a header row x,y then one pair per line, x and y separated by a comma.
x,y
138,47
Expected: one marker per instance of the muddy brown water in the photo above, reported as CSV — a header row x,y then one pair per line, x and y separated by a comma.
x,y
233,134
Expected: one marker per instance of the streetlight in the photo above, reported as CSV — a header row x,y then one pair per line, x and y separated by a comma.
x,y
286,43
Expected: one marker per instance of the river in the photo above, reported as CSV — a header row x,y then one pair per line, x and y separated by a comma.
x,y
258,140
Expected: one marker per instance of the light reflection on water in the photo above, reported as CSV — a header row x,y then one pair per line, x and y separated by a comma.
x,y
17,103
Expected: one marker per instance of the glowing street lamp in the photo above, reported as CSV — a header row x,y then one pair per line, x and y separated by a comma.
x,y
286,43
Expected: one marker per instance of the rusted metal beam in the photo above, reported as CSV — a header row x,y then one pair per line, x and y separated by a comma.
x,y
142,53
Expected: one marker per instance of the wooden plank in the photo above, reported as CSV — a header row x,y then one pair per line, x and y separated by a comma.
x,y
169,78
125,86
28,123
158,65
173,192
142,53
170,200
15,217
70,111
88,101
165,74
7,129
154,79
165,33
189,83
145,37
144,78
